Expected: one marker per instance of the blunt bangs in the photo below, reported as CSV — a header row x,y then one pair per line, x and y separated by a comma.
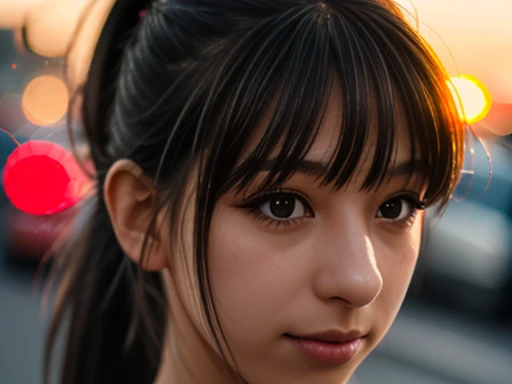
x,y
285,68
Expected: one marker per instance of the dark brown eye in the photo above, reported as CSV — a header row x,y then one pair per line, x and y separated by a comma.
x,y
392,209
398,208
283,206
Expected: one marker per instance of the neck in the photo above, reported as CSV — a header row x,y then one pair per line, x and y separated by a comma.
x,y
188,357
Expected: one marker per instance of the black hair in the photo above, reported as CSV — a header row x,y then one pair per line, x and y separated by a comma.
x,y
184,89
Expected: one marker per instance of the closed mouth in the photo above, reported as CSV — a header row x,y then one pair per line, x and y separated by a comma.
x,y
330,337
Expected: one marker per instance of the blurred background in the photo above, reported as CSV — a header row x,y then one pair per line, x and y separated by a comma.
x,y
455,326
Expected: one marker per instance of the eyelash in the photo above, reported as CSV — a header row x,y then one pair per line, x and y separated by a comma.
x,y
416,205
254,203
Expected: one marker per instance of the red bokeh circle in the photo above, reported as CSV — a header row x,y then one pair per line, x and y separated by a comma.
x,y
42,178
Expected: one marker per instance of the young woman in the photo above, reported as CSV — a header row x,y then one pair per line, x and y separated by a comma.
x,y
262,168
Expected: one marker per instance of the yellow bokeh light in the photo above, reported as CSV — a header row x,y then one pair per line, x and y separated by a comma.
x,y
45,100
472,98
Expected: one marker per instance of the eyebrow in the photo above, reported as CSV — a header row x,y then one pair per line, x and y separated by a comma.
x,y
318,169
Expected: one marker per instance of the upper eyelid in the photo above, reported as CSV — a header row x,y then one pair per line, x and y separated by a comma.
x,y
256,200
256,197
408,195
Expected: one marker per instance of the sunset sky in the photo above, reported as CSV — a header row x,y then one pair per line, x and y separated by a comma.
x,y
479,35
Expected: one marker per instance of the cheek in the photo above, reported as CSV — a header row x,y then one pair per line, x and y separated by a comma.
x,y
253,280
396,265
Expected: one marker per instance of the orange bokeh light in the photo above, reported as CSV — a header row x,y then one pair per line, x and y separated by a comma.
x,y
472,97
45,100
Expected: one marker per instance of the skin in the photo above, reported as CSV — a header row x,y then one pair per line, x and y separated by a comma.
x,y
337,265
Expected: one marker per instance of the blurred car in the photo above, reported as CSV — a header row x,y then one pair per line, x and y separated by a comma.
x,y
467,260
31,237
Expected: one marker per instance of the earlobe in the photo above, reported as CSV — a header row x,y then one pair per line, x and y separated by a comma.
x,y
130,200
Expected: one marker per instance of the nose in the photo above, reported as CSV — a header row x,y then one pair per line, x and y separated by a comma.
x,y
348,267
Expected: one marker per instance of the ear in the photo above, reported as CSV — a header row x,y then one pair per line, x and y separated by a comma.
x,y
131,200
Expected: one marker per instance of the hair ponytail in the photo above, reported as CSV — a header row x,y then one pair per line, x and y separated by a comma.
x,y
98,294
99,90
105,342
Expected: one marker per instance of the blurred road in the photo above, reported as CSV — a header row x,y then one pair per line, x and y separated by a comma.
x,y
22,325
427,345
433,345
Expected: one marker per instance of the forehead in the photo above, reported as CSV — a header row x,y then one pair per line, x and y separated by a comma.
x,y
324,145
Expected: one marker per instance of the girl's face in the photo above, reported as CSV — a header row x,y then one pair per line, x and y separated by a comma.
x,y
307,280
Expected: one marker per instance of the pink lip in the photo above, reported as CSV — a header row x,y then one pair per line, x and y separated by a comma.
x,y
330,348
